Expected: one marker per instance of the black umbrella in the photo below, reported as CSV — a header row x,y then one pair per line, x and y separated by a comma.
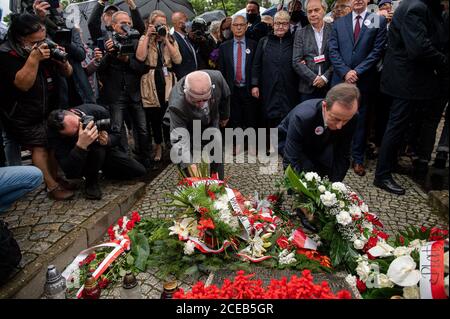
x,y
145,7
78,14
215,15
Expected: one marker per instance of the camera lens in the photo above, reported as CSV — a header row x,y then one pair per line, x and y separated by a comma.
x,y
103,125
161,30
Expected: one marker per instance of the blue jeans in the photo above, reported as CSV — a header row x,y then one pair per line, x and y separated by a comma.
x,y
15,182
12,150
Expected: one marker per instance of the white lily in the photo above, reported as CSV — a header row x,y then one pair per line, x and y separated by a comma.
x,y
184,227
402,271
382,249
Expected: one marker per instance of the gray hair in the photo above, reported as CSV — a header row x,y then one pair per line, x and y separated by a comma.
x,y
118,13
281,15
323,2
188,79
214,27
343,93
238,16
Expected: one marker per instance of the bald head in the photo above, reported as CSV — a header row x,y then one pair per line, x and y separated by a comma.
x,y
179,20
197,87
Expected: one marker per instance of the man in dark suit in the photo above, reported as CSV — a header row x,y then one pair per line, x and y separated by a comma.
x,y
189,58
256,28
310,57
298,16
355,47
316,135
235,62
414,72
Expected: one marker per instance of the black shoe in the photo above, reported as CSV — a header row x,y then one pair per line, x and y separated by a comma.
x,y
305,222
420,166
389,185
441,160
92,191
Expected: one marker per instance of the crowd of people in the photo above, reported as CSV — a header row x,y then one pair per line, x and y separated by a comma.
x,y
341,83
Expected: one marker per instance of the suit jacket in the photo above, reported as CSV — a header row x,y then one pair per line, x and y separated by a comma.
x,y
305,48
226,62
416,59
362,56
187,64
305,148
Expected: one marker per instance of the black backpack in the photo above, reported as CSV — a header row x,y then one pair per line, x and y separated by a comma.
x,y
10,254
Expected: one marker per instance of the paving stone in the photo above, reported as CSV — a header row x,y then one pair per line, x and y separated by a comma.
x,y
40,247
39,235
66,227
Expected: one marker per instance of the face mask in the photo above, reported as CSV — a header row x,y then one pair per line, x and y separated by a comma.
x,y
183,28
295,16
226,34
109,28
251,17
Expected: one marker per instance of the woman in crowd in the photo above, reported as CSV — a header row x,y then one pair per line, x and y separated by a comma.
x,y
225,29
29,91
160,51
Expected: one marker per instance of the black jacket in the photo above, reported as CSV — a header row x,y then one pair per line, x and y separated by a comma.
x,y
415,62
118,76
95,22
257,30
187,64
307,145
71,158
273,74
226,61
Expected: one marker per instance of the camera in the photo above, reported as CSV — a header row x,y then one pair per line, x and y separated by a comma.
x,y
199,29
161,30
63,37
56,53
102,125
126,44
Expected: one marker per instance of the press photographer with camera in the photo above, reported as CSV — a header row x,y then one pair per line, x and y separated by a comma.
x,y
203,44
84,143
120,72
158,49
30,65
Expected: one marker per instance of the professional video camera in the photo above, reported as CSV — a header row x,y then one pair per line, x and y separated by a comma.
x,y
199,30
102,125
56,53
126,44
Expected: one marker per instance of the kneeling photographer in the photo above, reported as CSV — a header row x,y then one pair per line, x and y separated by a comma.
x,y
84,143
120,72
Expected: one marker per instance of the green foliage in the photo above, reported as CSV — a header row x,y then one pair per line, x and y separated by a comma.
x,y
382,293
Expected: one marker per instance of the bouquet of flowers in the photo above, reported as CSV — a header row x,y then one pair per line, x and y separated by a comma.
x,y
245,287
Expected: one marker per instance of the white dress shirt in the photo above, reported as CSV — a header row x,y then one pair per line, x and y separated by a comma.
x,y
318,35
362,15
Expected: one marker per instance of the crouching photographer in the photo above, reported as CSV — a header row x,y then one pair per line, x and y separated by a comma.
x,y
84,143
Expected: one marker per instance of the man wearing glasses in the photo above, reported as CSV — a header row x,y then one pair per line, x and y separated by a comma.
x,y
341,8
199,101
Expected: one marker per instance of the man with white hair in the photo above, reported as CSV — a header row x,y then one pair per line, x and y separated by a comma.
x,y
203,96
214,31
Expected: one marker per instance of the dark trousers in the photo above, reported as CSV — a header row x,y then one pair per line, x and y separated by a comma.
x,y
243,109
137,115
155,127
359,138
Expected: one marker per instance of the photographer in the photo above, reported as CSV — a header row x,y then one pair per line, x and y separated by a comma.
x,y
203,43
30,66
84,144
158,49
120,72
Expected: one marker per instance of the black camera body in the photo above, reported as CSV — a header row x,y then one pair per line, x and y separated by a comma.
x,y
102,125
56,53
126,44
161,30
199,30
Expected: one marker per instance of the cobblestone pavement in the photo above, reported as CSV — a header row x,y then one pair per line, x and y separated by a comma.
x,y
38,222
394,211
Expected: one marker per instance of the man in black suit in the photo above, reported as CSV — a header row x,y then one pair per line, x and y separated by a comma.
x,y
415,68
235,62
256,29
189,58
317,134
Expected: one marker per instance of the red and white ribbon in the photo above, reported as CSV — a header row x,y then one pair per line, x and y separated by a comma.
x,y
119,248
432,271
302,241
205,249
252,259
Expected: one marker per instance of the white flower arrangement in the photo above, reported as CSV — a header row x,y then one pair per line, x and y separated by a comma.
x,y
189,247
340,187
343,218
328,199
310,176
286,258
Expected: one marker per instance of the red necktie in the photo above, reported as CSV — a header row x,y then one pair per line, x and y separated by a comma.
x,y
357,29
239,64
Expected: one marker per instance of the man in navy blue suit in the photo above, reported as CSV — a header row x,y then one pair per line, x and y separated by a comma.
x,y
355,47
189,58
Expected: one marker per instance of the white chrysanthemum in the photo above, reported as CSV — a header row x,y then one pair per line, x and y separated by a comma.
x,y
221,203
328,199
343,218
322,189
355,211
338,186
189,247
286,258
311,175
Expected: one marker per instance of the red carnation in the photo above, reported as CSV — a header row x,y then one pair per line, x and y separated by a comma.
x,y
120,222
283,242
130,225
273,198
372,242
103,283
423,229
203,210
361,286
402,240
135,217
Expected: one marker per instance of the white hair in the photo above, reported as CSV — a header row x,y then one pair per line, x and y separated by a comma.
x,y
238,16
188,79
323,2
214,27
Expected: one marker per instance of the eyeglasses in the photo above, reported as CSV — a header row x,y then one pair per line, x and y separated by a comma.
x,y
239,25
281,24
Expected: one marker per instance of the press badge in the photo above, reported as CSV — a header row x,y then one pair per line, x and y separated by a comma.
x,y
319,58
166,73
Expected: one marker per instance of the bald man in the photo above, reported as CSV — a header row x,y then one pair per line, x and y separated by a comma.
x,y
189,56
203,96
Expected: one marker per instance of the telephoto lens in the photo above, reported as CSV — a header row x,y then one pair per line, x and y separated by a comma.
x,y
103,124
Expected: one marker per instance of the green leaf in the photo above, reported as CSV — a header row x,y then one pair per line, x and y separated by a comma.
x,y
382,293
328,231
338,250
122,272
130,260
296,184
141,251
191,270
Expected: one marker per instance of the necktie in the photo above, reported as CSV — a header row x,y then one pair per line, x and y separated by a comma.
x,y
357,29
188,42
239,64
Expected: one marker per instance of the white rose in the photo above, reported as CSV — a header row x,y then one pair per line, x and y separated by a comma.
x,y
189,248
363,270
355,211
338,186
358,244
343,218
328,199
322,189
411,292
400,251
311,175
